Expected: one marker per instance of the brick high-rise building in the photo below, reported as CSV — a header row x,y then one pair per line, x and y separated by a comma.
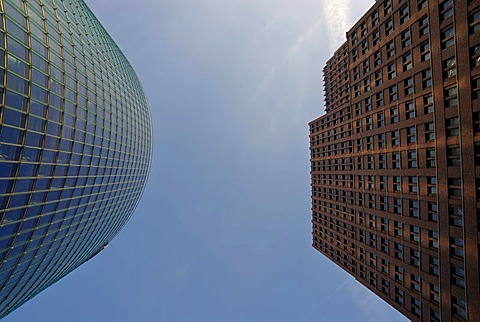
x,y
395,161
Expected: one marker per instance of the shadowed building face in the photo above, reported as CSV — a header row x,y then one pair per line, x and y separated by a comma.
x,y
75,143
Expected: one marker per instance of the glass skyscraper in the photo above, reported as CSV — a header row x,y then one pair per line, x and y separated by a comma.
x,y
75,143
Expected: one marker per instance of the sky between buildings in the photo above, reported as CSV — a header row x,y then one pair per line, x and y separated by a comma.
x,y
223,230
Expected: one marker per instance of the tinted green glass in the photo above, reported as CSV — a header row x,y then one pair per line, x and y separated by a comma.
x,y
75,143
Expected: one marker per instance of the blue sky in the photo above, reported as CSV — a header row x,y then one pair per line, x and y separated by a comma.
x,y
223,230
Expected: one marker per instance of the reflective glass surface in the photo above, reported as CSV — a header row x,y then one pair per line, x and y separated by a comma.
x,y
75,143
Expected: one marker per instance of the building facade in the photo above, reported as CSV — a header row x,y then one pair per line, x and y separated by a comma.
x,y
395,160
75,143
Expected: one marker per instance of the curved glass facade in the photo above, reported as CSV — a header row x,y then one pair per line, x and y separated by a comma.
x,y
75,143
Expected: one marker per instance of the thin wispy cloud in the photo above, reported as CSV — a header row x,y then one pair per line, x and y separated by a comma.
x,y
370,304
337,20
307,36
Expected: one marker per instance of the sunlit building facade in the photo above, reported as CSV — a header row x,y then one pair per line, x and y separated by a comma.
x,y
395,160
75,143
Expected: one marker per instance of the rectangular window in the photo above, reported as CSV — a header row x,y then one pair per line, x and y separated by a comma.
x,y
433,239
383,187
453,128
368,104
433,264
453,156
404,14
450,67
366,66
423,26
413,209
456,247
474,20
456,216
431,158
455,187
415,282
379,99
396,160
363,29
385,283
413,184
358,109
476,89
431,185
409,86
390,49
458,276
366,84
381,140
369,143
364,47
368,123
428,104
407,61
412,159
414,234
475,54
376,37
397,183
446,9
394,115
476,123
406,39
459,307
384,245
434,315
429,131
359,145
399,274
359,127
378,78
384,224
409,108
370,162
416,307
477,153
398,247
425,51
395,138
397,206
377,58
427,78
387,7
388,26
411,135
356,90
421,4
447,37
374,18
371,205
392,70
354,54
392,92
433,212
356,73
373,278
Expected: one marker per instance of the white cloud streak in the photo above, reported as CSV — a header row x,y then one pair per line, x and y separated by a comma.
x,y
307,36
370,304
337,21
